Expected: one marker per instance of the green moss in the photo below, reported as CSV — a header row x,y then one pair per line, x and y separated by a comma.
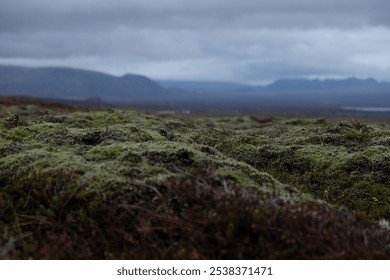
x,y
111,152
317,157
236,177
18,134
210,136
130,157
57,171
79,120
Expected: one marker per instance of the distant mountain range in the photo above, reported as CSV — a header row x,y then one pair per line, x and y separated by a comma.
x,y
293,92
76,84
282,85
204,86
302,84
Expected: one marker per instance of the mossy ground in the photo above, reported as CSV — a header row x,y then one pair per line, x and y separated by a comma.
x,y
112,184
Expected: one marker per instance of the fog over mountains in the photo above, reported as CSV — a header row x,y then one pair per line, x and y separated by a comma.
x,y
76,84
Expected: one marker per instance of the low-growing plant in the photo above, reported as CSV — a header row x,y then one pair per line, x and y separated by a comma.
x,y
200,216
119,184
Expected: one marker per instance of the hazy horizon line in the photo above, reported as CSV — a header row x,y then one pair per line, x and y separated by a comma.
x,y
178,79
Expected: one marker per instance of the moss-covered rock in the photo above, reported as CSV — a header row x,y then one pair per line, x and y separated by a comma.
x,y
111,178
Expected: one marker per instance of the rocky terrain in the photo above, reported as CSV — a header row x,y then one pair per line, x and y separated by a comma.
x,y
79,183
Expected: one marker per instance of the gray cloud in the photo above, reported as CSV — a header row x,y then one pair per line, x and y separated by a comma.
x,y
19,15
246,40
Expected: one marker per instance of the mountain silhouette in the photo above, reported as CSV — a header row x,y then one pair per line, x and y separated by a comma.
x,y
316,84
76,84
80,85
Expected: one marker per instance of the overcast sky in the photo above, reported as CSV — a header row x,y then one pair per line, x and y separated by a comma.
x,y
252,41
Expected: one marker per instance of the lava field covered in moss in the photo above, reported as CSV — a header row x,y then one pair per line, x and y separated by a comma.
x,y
120,184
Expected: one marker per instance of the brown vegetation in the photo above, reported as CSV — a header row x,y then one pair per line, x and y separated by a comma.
x,y
197,217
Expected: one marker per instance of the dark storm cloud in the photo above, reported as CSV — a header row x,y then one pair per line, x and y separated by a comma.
x,y
203,39
19,15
